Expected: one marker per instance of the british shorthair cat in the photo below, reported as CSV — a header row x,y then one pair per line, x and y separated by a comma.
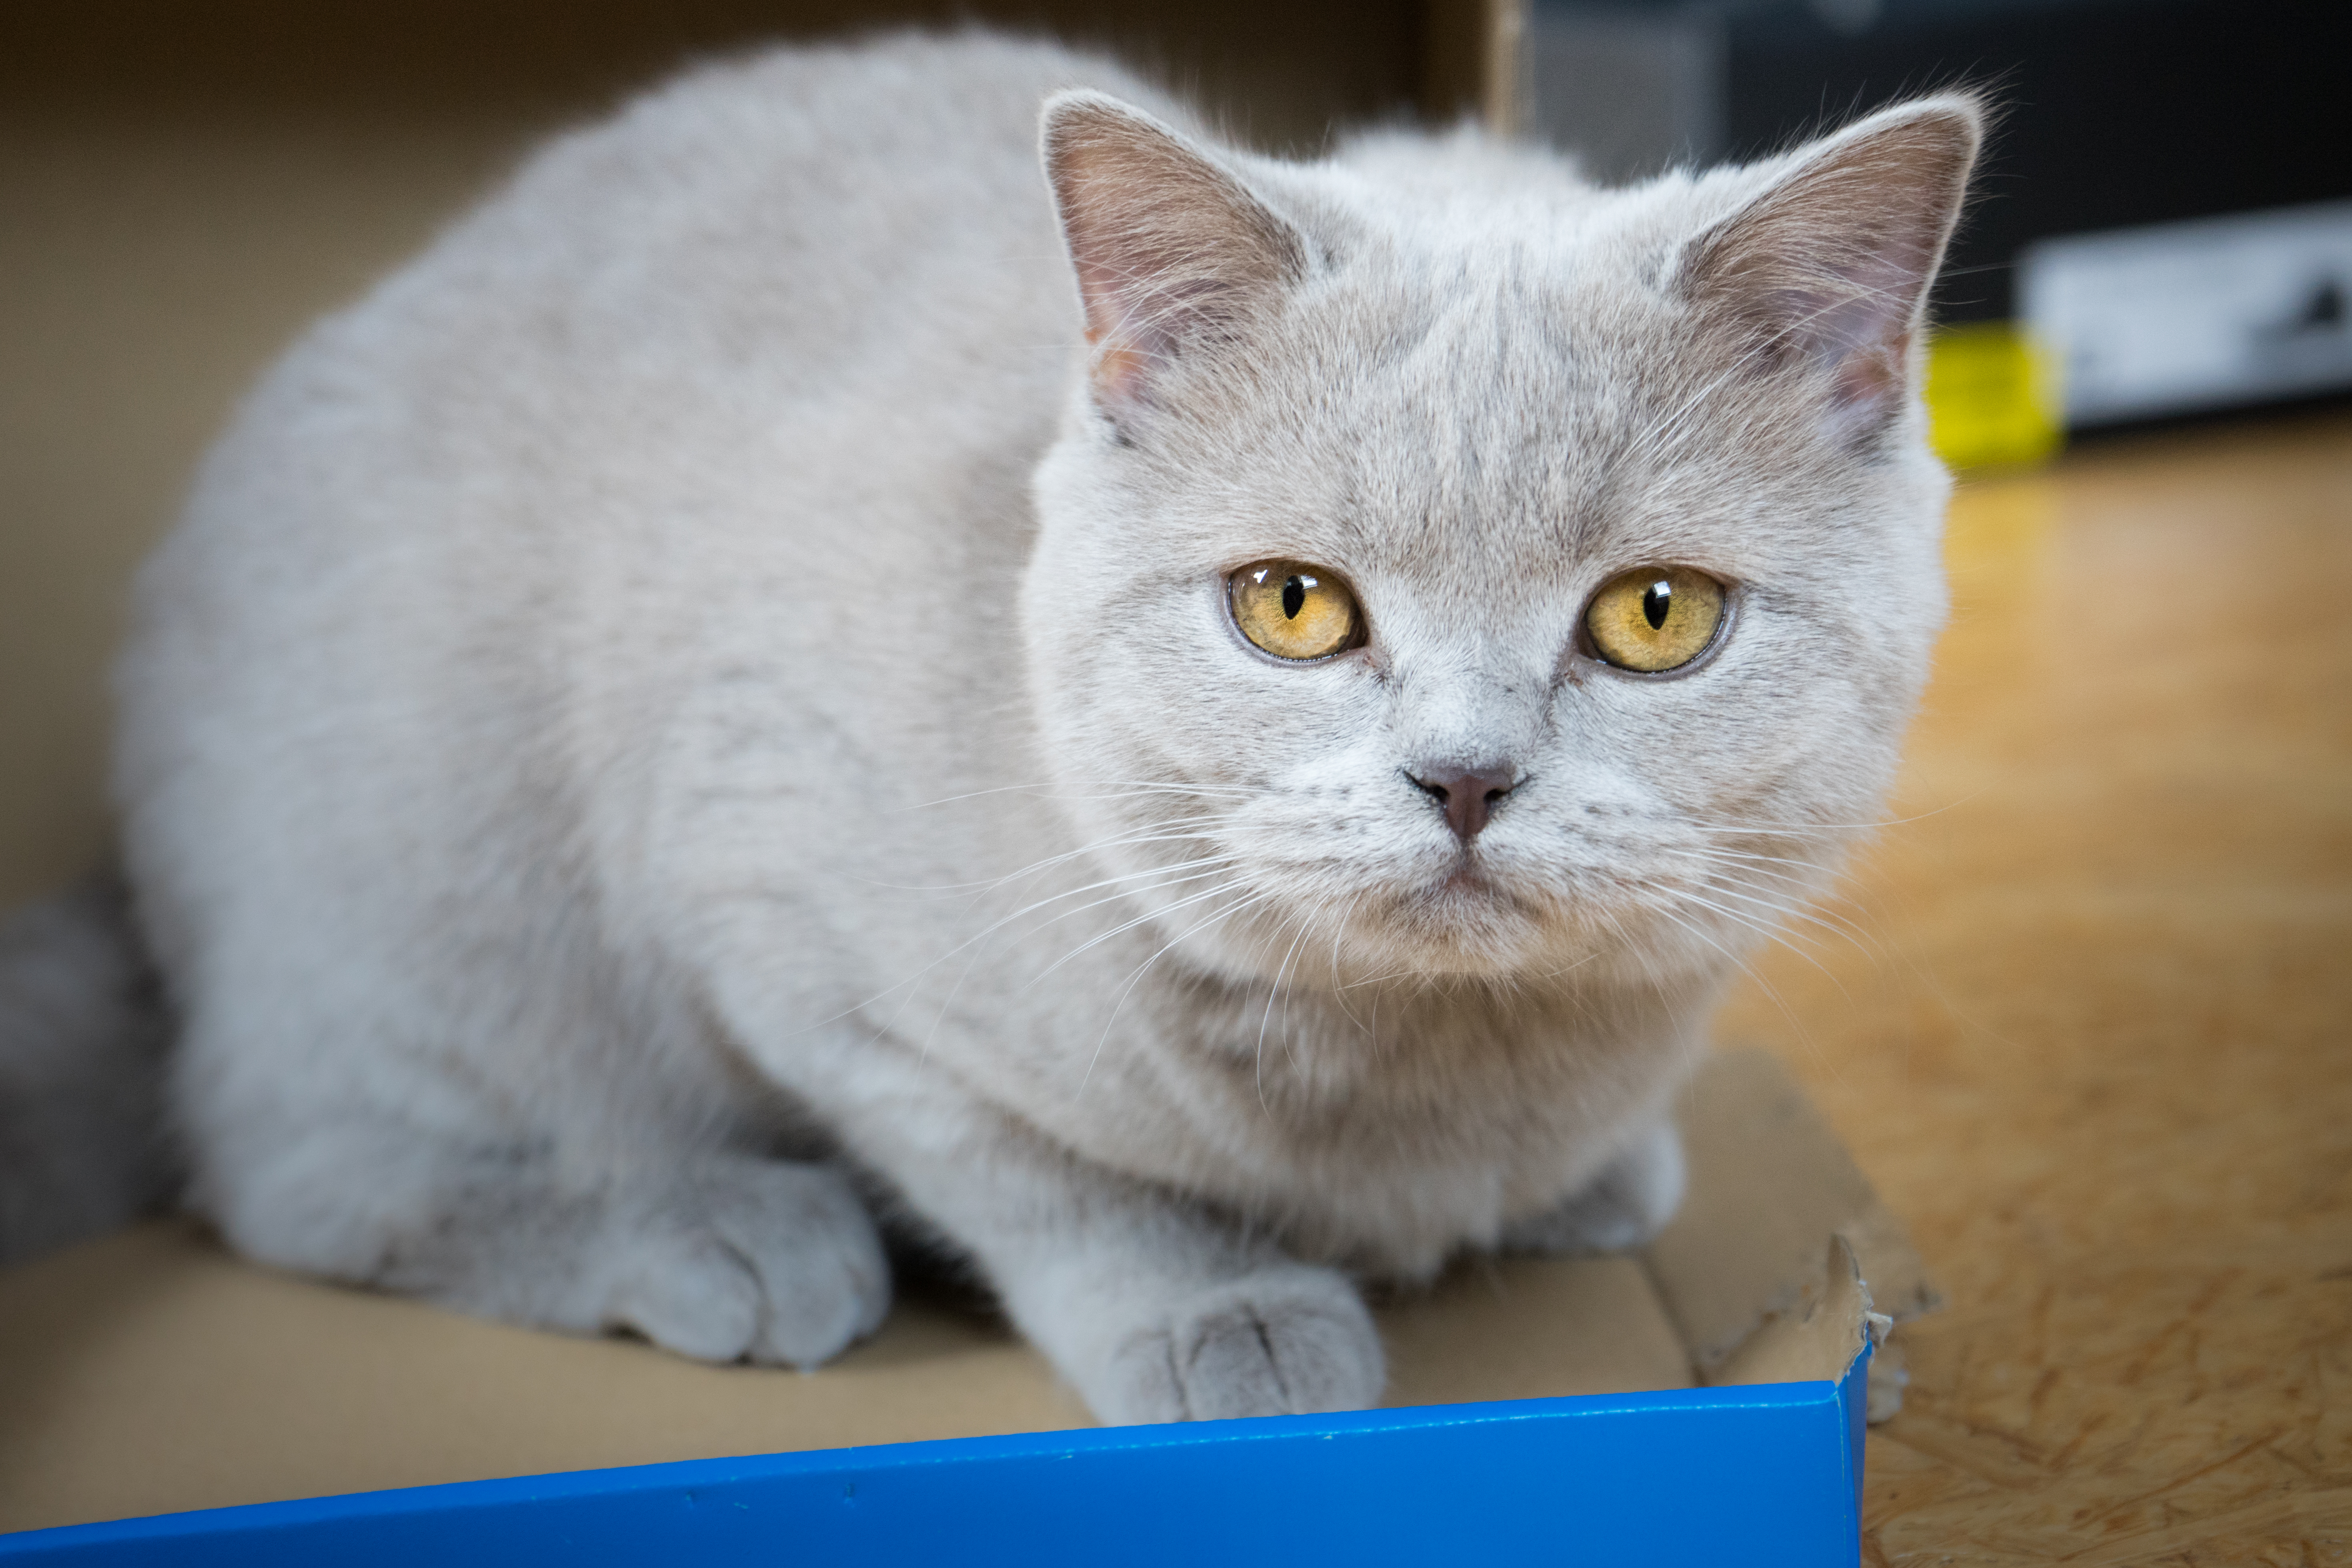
x,y
1187,730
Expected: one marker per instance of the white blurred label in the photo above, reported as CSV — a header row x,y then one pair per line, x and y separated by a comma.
x,y
2185,316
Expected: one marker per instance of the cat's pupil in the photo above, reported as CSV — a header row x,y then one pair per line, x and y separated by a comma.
x,y
1294,598
1656,603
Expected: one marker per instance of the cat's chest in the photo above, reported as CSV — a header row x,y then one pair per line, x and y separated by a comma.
x,y
1393,1158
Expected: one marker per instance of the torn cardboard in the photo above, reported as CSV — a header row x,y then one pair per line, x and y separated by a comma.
x,y
1769,1183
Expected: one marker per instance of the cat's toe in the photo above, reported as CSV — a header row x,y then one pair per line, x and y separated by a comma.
x,y
772,1262
1281,1341
823,1270
690,1292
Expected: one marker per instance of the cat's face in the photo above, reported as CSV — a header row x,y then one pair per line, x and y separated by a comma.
x,y
1342,605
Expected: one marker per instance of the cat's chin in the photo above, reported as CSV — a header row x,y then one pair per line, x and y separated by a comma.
x,y
1466,925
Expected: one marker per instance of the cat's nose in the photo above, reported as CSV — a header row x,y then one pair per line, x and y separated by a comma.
x,y
1468,795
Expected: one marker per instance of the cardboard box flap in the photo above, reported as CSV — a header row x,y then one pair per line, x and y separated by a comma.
x,y
1769,1186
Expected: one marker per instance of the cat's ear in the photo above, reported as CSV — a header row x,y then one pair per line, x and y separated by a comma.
x,y
1172,255
1827,270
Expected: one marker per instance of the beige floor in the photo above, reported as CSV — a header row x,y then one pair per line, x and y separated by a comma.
x,y
2087,1021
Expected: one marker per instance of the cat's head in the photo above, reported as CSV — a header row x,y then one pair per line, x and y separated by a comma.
x,y
1449,568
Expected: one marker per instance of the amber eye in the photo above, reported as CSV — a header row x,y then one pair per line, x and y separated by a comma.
x,y
1660,618
1295,611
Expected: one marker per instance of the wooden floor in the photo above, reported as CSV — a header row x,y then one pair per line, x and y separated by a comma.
x,y
2089,1024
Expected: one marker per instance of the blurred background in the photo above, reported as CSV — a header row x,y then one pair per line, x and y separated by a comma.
x,y
2161,225
183,184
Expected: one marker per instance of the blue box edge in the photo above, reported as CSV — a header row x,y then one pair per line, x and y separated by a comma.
x,y
1783,1464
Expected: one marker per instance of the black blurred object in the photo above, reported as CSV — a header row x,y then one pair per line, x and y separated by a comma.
x,y
2112,113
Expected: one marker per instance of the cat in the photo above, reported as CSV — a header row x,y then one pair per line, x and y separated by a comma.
x,y
1188,732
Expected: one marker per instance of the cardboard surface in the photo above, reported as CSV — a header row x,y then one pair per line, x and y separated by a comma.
x,y
151,1372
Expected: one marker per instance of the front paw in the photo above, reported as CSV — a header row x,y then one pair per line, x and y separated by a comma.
x,y
1283,1341
1629,1202
759,1260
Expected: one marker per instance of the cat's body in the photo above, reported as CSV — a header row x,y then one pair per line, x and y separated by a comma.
x,y
619,710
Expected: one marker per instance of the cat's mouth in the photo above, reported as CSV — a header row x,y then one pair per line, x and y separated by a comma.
x,y
1466,920
1473,890
1467,880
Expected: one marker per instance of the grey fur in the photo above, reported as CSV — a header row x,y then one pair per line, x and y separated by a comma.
x,y
82,1032
702,698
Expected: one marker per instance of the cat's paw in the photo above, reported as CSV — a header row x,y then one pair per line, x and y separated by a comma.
x,y
1627,1203
765,1261
1283,1341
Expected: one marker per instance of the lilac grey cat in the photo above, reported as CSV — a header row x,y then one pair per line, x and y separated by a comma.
x,y
793,680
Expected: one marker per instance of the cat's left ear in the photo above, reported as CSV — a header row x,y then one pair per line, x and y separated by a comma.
x,y
1828,269
1173,255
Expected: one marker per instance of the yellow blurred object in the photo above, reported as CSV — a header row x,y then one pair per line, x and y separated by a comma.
x,y
1993,397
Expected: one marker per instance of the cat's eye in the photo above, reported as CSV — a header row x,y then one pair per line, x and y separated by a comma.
x,y
1295,611
1655,619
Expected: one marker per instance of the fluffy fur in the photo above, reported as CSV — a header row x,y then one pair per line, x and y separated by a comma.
x,y
702,712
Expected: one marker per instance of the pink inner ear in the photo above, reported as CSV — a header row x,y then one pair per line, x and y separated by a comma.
x,y
1831,265
1118,370
1869,381
1171,253
1860,327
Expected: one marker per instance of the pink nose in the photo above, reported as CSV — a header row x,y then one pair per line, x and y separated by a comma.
x,y
1468,795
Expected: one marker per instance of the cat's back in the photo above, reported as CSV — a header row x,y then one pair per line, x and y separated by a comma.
x,y
821,200
789,324
787,235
